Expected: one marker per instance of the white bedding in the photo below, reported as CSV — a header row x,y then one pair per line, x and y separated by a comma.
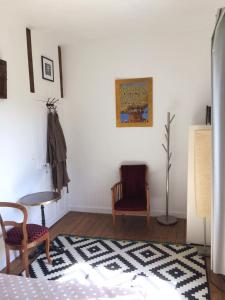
x,y
16,287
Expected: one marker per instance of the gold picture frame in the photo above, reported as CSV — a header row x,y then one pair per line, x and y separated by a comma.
x,y
134,102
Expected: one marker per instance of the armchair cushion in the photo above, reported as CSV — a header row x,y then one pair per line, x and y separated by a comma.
x,y
34,232
132,204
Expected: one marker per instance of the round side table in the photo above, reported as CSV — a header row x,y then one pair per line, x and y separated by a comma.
x,y
41,199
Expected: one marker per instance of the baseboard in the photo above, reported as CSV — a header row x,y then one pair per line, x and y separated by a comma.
x,y
87,209
105,210
177,214
53,220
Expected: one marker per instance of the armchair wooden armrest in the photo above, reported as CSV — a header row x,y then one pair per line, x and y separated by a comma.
x,y
115,185
116,192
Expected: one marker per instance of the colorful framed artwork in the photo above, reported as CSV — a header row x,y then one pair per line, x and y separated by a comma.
x,y
47,68
134,102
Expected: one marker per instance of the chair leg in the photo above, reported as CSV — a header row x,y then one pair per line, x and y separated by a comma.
x,y
25,262
148,219
21,253
7,260
114,219
47,246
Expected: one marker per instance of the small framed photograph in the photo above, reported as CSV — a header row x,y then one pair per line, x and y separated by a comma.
x,y
47,68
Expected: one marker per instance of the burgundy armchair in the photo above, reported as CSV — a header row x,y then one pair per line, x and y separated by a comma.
x,y
131,195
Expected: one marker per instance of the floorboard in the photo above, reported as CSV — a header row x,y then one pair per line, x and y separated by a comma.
x,y
131,228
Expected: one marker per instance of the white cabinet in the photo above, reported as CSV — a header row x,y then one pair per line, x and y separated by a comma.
x,y
195,224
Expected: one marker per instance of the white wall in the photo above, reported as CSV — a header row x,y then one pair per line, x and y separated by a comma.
x,y
23,120
180,66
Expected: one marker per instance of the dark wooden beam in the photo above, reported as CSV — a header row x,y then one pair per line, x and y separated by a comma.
x,y
60,70
30,60
3,79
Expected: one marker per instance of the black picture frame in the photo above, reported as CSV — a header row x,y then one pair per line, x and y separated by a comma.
x,y
47,68
3,79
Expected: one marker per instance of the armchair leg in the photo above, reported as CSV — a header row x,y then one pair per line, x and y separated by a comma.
x,y
47,246
7,260
148,218
114,219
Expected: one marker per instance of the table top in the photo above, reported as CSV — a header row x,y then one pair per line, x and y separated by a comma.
x,y
41,198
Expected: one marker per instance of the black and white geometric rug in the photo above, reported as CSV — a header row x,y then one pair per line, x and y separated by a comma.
x,y
176,271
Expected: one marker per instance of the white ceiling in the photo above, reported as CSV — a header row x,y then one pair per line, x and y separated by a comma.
x,y
88,19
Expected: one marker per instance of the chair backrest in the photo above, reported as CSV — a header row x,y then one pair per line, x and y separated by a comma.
x,y
133,179
22,225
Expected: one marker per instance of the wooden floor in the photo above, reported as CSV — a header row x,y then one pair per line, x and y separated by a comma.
x,y
100,225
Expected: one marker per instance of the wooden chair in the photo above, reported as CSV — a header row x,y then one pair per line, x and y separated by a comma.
x,y
131,195
22,236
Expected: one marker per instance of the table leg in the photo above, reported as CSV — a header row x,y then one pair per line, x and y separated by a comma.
x,y
53,247
41,247
43,215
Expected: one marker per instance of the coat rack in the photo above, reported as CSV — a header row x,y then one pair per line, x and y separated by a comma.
x,y
167,219
51,103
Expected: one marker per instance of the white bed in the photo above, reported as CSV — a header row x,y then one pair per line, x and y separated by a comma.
x,y
16,287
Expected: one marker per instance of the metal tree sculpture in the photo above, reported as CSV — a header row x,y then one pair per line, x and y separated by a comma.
x,y
167,220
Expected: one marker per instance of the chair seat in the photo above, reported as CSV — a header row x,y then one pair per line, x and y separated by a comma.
x,y
34,232
136,204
